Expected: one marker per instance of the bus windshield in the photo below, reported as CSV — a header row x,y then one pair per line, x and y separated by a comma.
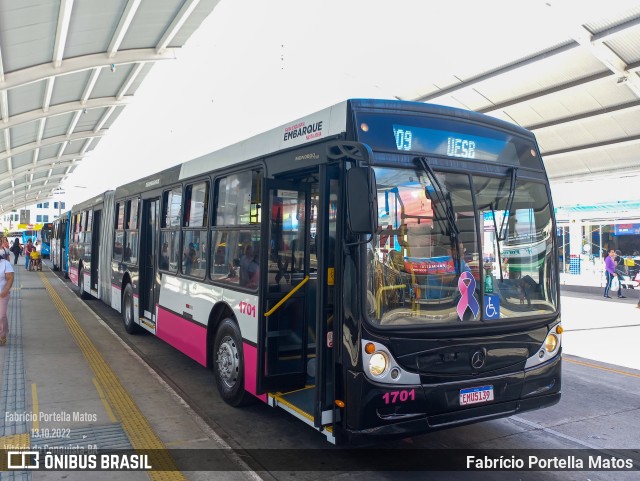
x,y
424,271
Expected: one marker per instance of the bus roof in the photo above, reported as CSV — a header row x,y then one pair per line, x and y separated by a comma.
x,y
326,123
323,124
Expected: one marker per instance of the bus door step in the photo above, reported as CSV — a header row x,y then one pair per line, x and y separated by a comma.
x,y
300,404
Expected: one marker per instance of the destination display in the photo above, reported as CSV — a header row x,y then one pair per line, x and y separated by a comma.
x,y
451,144
452,138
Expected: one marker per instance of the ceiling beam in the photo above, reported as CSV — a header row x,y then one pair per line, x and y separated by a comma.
x,y
93,78
630,140
567,46
1,66
628,107
549,91
130,79
18,197
53,141
63,109
7,143
4,106
631,68
79,64
62,31
532,59
74,121
187,8
123,26
596,44
48,93
44,164
104,118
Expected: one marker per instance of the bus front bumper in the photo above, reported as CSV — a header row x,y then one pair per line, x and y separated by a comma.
x,y
388,412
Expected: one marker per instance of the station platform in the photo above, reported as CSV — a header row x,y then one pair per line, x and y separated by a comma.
x,y
69,384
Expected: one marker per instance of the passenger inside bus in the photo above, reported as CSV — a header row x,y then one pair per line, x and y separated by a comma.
x,y
190,257
164,257
249,267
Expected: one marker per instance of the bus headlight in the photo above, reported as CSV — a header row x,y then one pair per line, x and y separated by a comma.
x,y
378,363
551,343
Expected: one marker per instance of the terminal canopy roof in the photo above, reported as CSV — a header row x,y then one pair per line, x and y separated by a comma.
x,y
67,70
565,69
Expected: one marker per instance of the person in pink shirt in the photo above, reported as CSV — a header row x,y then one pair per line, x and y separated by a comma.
x,y
27,253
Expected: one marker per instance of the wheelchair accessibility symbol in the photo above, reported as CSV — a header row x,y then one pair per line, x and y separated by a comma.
x,y
491,307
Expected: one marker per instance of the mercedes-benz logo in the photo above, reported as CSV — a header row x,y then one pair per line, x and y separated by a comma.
x,y
477,360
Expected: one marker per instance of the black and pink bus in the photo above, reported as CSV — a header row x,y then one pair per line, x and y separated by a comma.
x,y
377,269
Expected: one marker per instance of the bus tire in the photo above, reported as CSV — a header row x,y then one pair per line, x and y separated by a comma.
x,y
128,318
228,364
83,293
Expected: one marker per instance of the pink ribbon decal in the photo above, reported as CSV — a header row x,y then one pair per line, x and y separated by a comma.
x,y
467,287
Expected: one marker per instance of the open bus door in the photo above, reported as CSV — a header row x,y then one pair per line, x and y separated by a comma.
x,y
149,282
295,351
95,252
286,305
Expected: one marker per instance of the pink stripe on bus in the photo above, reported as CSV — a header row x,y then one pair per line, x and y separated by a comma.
x,y
73,275
186,336
250,370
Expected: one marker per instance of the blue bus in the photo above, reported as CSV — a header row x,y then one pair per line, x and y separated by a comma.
x,y
45,235
24,235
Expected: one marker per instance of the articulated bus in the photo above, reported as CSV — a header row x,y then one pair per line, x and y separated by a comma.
x,y
60,243
377,269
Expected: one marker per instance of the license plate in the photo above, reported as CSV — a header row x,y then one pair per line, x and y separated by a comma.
x,y
475,395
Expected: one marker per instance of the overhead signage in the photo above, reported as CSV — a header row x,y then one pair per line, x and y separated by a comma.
x,y
443,142
627,229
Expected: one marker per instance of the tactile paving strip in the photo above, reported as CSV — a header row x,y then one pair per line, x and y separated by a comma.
x,y
134,422
13,389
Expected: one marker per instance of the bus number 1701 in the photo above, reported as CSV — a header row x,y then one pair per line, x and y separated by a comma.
x,y
405,395
248,309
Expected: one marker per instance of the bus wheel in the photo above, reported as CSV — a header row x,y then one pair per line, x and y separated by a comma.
x,y
83,293
228,364
127,310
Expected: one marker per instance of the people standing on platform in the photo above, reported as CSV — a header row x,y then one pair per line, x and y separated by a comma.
x,y
6,281
27,253
621,270
5,250
610,271
16,248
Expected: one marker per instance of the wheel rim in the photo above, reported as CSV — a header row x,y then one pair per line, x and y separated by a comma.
x,y
228,361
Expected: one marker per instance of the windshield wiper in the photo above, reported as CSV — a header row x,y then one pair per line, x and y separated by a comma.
x,y
446,205
501,235
512,191
495,228
443,199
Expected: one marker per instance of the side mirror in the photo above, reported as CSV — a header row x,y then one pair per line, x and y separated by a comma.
x,y
362,201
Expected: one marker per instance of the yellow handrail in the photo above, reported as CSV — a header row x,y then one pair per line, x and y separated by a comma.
x,y
285,298
381,291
